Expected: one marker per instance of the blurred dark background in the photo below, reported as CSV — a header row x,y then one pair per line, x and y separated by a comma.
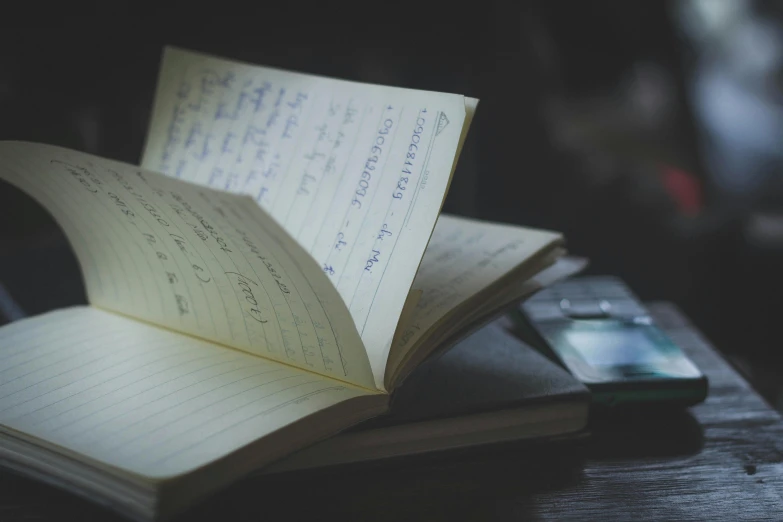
x,y
648,132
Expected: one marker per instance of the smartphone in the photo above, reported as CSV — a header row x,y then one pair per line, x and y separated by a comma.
x,y
600,332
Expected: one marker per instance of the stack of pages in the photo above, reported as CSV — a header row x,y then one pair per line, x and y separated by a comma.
x,y
267,278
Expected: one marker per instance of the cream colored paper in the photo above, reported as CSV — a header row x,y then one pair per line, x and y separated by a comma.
x,y
464,258
355,173
143,399
192,259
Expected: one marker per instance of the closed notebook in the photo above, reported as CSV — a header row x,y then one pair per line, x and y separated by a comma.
x,y
489,388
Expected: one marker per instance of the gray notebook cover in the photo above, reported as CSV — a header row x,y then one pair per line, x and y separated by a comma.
x,y
489,370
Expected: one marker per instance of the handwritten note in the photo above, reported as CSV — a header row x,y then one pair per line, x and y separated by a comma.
x,y
192,259
466,259
355,173
144,399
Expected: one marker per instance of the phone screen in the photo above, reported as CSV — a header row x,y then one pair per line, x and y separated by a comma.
x,y
610,350
620,347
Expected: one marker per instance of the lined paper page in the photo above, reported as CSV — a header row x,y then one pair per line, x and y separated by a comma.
x,y
192,259
142,398
356,173
464,257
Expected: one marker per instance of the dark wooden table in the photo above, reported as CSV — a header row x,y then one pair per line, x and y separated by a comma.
x,y
722,460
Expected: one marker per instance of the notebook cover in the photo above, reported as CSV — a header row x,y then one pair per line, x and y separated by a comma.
x,y
489,370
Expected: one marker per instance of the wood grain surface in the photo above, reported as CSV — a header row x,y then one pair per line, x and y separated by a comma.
x,y
721,460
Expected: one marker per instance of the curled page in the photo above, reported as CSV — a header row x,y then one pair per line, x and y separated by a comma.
x,y
192,259
356,173
469,266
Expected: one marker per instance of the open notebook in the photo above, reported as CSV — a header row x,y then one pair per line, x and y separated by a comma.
x,y
225,331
